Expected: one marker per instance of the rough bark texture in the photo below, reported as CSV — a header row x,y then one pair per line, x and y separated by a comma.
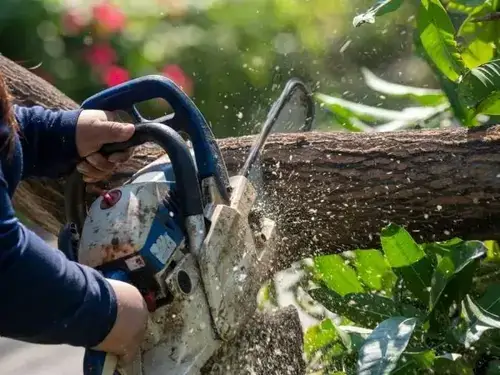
x,y
330,191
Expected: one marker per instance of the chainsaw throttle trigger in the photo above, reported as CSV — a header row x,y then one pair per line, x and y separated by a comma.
x,y
187,118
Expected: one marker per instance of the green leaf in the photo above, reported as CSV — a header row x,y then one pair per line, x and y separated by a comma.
x,y
452,364
493,254
319,336
364,309
479,321
490,300
409,259
357,336
437,37
374,270
336,274
381,351
421,95
380,8
345,109
451,266
480,88
469,3
411,362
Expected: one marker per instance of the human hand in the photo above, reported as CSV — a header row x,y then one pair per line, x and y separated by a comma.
x,y
125,338
94,129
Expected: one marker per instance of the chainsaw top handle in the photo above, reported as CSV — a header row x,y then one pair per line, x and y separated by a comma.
x,y
187,118
187,185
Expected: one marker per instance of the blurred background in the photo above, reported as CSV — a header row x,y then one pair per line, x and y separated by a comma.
x,y
232,57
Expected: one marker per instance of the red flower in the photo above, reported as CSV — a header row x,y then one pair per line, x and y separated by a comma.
x,y
109,16
176,74
72,22
114,75
100,55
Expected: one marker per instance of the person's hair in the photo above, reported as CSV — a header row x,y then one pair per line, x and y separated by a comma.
x,y
7,117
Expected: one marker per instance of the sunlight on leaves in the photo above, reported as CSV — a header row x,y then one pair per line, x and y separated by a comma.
x,y
436,34
423,96
381,351
480,88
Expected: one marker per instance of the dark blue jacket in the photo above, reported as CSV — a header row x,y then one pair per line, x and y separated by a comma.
x,y
44,297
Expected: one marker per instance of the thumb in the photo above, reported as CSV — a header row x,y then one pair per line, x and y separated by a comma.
x,y
112,132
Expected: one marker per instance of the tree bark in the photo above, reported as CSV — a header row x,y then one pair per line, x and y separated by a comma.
x,y
329,191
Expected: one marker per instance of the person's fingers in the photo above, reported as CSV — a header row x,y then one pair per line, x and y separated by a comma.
x,y
100,162
112,132
121,157
91,173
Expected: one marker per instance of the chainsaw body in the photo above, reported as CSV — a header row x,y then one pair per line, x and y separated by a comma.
x,y
180,230
192,307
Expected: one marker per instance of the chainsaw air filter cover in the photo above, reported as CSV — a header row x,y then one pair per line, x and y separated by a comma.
x,y
138,225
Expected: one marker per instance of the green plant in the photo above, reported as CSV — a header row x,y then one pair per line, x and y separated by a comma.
x,y
407,308
465,61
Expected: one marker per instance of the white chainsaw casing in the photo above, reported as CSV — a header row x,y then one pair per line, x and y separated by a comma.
x,y
185,333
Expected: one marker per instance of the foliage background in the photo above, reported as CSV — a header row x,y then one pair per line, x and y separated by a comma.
x,y
233,57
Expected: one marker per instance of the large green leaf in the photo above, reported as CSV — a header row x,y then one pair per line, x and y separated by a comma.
x,y
480,88
364,309
478,38
336,274
437,37
409,259
423,96
374,270
479,321
346,109
452,265
381,351
380,8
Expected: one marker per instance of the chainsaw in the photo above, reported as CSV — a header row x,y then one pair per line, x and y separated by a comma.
x,y
180,229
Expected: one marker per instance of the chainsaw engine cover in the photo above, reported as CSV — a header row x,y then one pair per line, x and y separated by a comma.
x,y
133,227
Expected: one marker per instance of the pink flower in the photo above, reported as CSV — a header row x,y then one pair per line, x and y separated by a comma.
x,y
100,55
109,17
114,75
72,22
176,74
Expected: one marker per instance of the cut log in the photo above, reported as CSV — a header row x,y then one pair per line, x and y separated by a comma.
x,y
329,191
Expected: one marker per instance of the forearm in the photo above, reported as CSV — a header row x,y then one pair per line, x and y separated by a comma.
x,y
46,298
48,139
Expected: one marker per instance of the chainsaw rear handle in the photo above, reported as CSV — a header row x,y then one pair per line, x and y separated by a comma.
x,y
187,185
187,117
101,363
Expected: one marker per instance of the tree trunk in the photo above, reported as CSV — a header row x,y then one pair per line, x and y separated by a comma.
x,y
328,191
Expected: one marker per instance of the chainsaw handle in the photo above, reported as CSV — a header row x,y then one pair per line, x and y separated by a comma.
x,y
187,117
187,185
97,362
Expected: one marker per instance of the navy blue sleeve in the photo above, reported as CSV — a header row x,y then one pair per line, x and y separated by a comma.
x,y
45,298
48,139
